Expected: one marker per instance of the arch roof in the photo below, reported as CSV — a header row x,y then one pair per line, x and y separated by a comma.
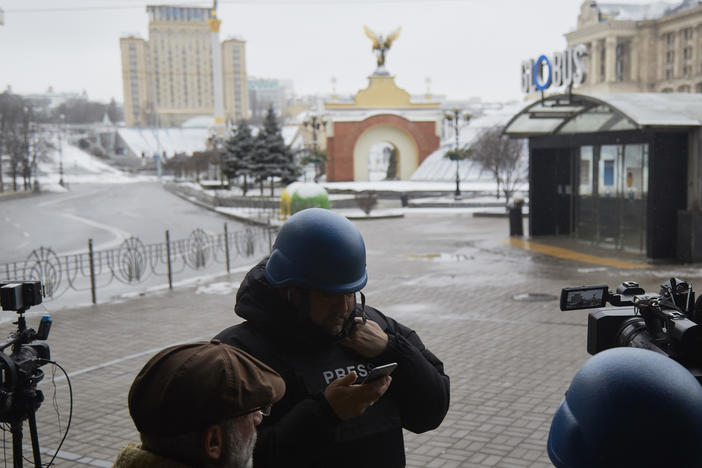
x,y
591,113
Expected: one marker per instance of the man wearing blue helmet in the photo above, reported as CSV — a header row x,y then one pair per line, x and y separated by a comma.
x,y
302,319
629,408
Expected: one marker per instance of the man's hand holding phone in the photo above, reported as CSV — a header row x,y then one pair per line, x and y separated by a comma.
x,y
378,372
350,400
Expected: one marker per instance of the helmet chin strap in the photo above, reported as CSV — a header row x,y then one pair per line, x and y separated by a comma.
x,y
350,322
363,306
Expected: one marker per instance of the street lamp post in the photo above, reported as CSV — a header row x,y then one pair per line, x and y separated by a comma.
x,y
60,133
454,118
315,123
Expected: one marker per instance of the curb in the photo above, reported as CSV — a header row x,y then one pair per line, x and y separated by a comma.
x,y
370,217
197,202
16,195
487,214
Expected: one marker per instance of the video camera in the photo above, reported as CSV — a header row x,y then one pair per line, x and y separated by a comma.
x,y
667,323
20,370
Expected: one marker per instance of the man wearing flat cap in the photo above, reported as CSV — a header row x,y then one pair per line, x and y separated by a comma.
x,y
198,405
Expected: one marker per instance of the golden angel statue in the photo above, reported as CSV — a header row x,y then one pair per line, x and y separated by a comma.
x,y
381,44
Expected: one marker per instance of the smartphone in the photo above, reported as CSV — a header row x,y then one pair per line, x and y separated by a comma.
x,y
380,371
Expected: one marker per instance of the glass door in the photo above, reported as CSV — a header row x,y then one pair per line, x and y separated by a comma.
x,y
586,206
611,198
608,195
633,198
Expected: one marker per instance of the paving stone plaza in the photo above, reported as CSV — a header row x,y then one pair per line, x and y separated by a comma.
x,y
452,277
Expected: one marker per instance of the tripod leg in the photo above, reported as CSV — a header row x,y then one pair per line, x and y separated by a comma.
x,y
35,439
16,429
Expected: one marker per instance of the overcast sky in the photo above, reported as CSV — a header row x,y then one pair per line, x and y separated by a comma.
x,y
465,47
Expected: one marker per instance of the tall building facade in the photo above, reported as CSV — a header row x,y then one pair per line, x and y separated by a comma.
x,y
266,93
169,78
654,47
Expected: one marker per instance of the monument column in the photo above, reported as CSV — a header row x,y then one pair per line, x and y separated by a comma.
x,y
217,91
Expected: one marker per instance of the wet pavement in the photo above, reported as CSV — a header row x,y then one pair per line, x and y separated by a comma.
x,y
487,308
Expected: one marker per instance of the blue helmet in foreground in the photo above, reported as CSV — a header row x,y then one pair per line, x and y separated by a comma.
x,y
629,407
320,250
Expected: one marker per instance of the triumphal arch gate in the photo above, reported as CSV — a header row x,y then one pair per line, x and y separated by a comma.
x,y
383,112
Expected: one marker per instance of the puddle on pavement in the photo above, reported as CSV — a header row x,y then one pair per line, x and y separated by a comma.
x,y
440,257
534,297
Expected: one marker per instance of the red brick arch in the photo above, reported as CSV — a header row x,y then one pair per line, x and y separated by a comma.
x,y
340,147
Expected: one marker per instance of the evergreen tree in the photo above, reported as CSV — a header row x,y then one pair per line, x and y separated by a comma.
x,y
238,154
272,157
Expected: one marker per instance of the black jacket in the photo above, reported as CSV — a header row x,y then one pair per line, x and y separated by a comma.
x,y
302,430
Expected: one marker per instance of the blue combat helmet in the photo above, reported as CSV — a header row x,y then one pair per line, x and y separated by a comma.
x,y
319,250
629,407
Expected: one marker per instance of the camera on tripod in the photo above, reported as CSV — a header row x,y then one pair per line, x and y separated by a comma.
x,y
667,323
20,369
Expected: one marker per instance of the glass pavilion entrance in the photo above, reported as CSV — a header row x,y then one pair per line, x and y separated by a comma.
x,y
610,170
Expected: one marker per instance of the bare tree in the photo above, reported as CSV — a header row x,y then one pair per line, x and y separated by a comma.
x,y
38,149
501,156
17,145
12,117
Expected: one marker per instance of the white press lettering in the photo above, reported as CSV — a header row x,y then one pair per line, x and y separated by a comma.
x,y
328,376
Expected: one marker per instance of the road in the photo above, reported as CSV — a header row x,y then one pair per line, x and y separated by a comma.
x,y
108,214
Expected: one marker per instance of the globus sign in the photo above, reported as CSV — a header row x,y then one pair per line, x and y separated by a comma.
x,y
564,68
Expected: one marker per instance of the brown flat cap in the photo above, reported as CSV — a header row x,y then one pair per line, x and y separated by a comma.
x,y
187,387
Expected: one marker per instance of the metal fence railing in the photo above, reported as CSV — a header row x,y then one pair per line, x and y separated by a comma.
x,y
134,262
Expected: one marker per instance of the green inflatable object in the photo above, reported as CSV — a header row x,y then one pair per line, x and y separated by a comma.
x,y
308,196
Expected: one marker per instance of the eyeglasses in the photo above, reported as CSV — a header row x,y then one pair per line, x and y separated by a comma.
x,y
264,410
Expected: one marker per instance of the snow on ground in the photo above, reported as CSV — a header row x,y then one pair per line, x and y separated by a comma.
x,y
223,288
400,186
436,167
82,167
169,140
79,167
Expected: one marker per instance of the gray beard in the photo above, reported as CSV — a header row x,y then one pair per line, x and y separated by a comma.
x,y
240,450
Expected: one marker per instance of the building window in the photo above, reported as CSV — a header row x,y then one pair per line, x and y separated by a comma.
x,y
687,53
670,57
669,39
603,58
698,87
684,89
687,33
669,74
622,61
687,71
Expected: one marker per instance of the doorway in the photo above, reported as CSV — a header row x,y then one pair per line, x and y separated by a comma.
x,y
612,193
382,161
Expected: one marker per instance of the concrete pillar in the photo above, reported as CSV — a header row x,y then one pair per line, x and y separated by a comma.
x,y
595,62
611,60
679,61
634,54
